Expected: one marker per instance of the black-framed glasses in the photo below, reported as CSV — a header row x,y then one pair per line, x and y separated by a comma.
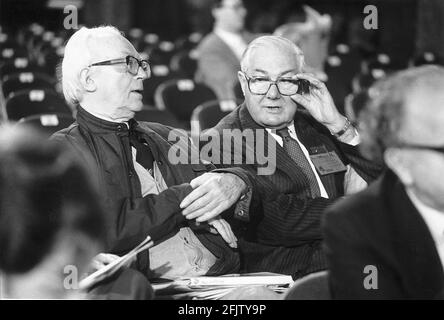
x,y
286,86
439,149
133,64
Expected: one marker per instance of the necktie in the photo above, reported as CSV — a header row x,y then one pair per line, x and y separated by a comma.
x,y
143,155
295,152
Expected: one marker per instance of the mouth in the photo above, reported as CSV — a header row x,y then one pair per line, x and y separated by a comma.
x,y
138,91
273,109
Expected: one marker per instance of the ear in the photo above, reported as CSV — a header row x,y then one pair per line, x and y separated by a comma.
x,y
396,161
87,81
243,82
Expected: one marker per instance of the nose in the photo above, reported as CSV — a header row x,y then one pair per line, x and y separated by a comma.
x,y
142,74
273,92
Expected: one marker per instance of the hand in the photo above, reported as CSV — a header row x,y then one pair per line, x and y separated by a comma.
x,y
213,193
319,104
102,259
224,229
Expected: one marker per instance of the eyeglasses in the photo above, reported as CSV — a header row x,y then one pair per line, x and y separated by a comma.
x,y
133,64
421,147
285,86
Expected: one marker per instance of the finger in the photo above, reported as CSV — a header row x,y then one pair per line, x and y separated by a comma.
x,y
304,101
108,258
230,231
196,205
224,233
193,196
199,180
212,213
202,211
311,78
97,265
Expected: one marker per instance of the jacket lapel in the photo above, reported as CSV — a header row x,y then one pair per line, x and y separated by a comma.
x,y
418,258
311,138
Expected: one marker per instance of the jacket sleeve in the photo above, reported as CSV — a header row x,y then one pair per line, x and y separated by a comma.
x,y
368,170
130,221
156,215
356,269
280,219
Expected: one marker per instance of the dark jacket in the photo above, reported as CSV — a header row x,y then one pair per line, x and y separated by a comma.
x,y
381,227
131,217
283,231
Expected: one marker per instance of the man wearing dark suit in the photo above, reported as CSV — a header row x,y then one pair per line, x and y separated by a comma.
x,y
387,242
312,167
219,53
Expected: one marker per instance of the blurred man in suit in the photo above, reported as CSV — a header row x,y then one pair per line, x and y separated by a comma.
x,y
221,50
387,242
316,160
141,189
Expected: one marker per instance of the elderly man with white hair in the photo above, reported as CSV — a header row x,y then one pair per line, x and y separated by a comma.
x,y
317,160
140,188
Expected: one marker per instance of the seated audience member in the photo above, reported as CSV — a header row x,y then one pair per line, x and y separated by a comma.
x,y
50,218
219,52
141,188
387,242
282,231
312,37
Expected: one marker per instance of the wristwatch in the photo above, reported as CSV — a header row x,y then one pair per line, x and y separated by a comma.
x,y
344,129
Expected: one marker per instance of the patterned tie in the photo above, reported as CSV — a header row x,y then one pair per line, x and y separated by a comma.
x,y
295,152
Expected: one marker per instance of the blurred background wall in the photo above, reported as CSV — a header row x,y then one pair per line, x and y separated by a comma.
x,y
403,24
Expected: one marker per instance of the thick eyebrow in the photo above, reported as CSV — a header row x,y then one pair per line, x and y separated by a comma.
x,y
280,74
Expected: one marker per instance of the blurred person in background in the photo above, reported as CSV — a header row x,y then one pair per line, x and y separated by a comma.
x,y
220,52
312,36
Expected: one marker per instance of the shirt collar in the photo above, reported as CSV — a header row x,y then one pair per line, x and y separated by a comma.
x,y
290,127
97,124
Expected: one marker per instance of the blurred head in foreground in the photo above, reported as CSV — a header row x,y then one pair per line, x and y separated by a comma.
x,y
403,124
50,222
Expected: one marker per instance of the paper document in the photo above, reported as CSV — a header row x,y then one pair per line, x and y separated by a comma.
x,y
216,287
114,266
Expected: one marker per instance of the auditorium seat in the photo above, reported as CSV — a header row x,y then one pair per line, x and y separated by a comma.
x,y
159,74
162,53
25,103
26,80
185,62
427,57
341,65
47,123
311,287
208,114
182,96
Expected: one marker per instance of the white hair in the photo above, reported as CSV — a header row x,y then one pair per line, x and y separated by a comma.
x,y
273,42
78,55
